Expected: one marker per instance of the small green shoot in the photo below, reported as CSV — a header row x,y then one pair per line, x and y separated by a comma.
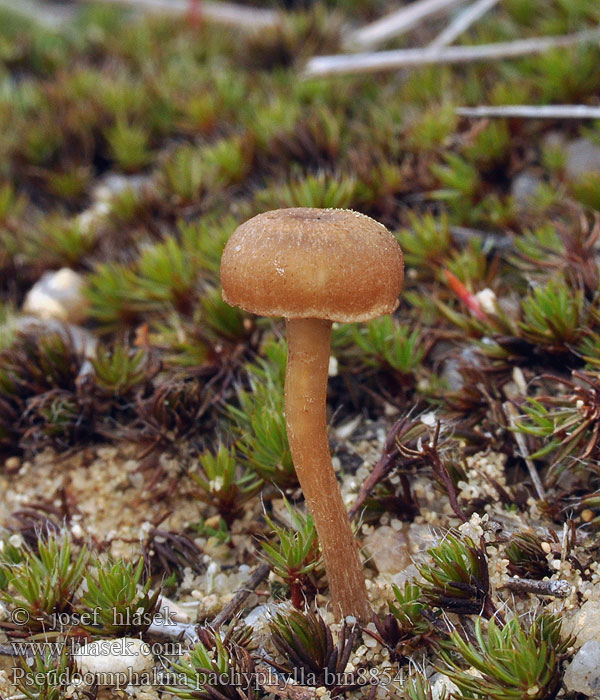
x,y
458,579
120,371
43,677
43,584
552,315
213,672
224,483
295,557
117,600
383,341
512,662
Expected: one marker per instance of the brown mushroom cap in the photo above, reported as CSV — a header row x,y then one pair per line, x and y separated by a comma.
x,y
332,264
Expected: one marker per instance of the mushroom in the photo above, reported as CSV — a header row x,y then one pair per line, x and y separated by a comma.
x,y
313,267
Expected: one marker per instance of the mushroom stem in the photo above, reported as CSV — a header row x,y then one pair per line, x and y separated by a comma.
x,y
305,408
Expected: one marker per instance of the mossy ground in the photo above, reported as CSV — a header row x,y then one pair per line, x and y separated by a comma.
x,y
132,146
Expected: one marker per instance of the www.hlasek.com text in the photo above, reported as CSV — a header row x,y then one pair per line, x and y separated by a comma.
x,y
104,647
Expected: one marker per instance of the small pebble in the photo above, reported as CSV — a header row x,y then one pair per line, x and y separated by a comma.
x,y
582,157
523,189
389,548
114,662
12,465
57,295
16,540
333,366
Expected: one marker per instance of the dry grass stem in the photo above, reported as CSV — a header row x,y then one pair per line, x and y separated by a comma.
x,y
461,23
50,15
377,61
512,416
398,22
219,12
531,111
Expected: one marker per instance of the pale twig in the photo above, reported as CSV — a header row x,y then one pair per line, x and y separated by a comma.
x,y
496,241
232,608
162,627
463,21
512,415
220,12
397,23
404,58
557,589
169,629
532,111
49,15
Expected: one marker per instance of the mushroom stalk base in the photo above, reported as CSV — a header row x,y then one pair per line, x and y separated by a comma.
x,y
306,418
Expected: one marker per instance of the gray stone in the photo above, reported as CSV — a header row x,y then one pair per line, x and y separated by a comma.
x,y
389,549
523,189
584,624
83,341
583,157
451,367
583,673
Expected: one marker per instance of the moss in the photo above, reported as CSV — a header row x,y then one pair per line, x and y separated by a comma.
x,y
207,127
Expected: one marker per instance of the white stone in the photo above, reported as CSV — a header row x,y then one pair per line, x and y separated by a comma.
x,y
13,464
57,295
343,432
584,625
260,617
429,419
16,540
442,686
171,611
487,300
89,219
114,184
333,366
583,673
115,662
